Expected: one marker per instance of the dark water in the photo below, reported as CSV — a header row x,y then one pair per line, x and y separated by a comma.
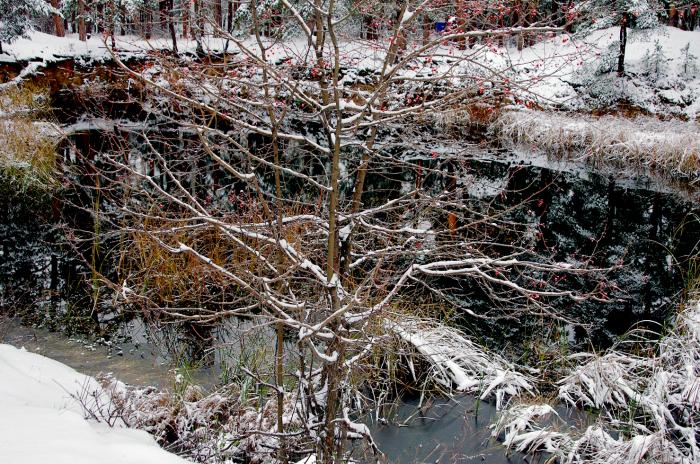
x,y
450,431
133,363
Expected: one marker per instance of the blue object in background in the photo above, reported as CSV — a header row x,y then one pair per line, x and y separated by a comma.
x,y
440,27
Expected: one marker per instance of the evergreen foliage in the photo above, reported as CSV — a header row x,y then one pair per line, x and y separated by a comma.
x,y
601,14
16,17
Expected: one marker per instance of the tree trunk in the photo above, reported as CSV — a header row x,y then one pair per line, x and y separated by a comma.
x,y
279,351
82,33
185,19
194,22
232,6
123,26
110,21
623,45
197,29
163,14
58,21
461,13
171,25
427,26
371,32
519,21
673,16
147,22
218,15
99,23
279,383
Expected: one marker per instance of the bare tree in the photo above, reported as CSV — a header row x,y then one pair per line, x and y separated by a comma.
x,y
256,199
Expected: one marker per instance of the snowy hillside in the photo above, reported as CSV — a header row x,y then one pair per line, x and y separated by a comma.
x,y
662,73
560,70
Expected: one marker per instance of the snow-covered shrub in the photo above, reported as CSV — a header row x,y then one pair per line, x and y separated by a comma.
x,y
654,62
648,401
457,362
211,427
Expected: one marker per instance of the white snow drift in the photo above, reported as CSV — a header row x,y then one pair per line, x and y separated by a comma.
x,y
42,422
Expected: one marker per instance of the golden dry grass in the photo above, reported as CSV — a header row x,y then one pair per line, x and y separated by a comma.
x,y
670,148
27,143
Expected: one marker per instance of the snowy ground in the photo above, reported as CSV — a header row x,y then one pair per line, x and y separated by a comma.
x,y
39,46
560,70
41,422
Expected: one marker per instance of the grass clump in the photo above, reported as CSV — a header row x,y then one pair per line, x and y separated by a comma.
x,y
670,148
28,137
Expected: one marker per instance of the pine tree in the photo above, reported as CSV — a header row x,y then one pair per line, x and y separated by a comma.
x,y
16,17
656,62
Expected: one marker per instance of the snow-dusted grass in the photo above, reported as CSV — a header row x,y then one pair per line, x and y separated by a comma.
x,y
457,362
671,148
211,427
648,401
42,422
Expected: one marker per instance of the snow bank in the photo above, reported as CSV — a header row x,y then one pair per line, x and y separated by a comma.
x,y
41,421
563,71
662,71
38,46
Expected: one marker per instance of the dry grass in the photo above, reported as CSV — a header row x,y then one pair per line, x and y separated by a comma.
x,y
27,144
27,100
169,279
670,148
